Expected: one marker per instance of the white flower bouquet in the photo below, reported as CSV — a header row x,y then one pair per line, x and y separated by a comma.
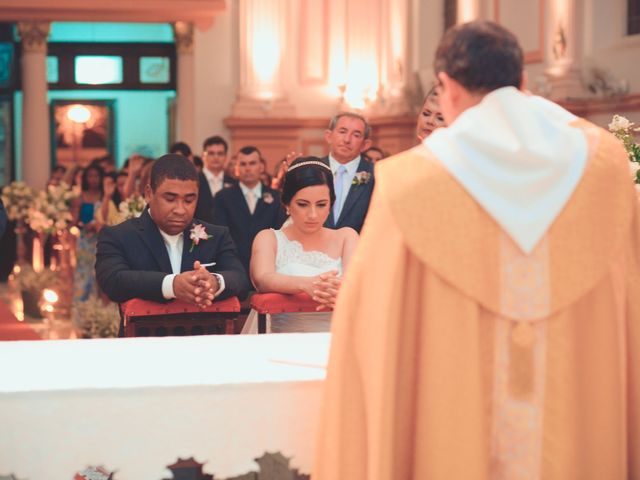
x,y
17,198
95,319
623,129
132,208
51,209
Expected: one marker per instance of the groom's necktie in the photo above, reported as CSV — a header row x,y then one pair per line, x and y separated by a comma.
x,y
338,186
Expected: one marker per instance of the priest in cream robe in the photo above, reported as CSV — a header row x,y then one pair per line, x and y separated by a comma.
x,y
489,325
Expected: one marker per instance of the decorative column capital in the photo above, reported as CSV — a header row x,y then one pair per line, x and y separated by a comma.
x,y
34,36
183,36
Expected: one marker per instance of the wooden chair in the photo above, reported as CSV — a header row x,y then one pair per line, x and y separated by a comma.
x,y
270,303
143,318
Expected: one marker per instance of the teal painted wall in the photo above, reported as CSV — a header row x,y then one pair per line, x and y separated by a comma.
x,y
110,32
141,118
141,121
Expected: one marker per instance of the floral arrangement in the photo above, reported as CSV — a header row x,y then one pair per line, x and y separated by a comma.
x,y
93,473
361,178
95,319
623,129
17,198
51,209
132,208
28,279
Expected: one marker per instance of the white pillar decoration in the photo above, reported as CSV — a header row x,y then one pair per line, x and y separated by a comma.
x,y
183,33
564,72
36,153
263,33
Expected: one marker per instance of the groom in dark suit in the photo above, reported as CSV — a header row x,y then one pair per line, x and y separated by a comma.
x,y
348,136
249,206
158,255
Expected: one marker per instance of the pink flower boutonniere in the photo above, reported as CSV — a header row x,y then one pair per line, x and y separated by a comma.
x,y
267,198
198,233
227,185
361,178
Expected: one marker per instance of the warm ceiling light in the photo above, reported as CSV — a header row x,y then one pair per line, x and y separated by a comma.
x,y
50,295
78,114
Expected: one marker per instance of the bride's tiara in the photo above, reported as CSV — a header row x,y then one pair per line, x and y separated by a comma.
x,y
310,162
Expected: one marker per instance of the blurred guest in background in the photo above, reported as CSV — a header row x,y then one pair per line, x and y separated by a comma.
x,y
84,212
57,175
430,116
213,177
375,154
181,148
249,206
348,136
108,213
198,163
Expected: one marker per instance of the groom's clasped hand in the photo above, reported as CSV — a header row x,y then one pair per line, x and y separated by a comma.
x,y
196,286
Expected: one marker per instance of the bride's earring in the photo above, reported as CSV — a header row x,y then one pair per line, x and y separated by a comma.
x,y
287,210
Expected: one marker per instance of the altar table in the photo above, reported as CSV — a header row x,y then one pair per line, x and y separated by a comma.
x,y
136,405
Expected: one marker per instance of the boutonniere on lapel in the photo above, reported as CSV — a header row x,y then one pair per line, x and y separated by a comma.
x,y
361,178
227,185
267,198
196,234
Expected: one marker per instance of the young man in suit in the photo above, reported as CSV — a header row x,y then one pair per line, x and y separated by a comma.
x,y
348,136
154,257
248,207
213,177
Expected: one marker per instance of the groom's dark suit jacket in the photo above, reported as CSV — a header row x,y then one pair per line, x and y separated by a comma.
x,y
132,260
356,205
204,208
230,209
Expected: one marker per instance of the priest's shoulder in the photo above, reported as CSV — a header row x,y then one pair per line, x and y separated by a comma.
x,y
414,167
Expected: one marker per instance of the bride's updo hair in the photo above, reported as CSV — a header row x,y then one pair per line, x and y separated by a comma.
x,y
307,172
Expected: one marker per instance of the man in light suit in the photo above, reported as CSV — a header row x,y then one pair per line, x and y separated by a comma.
x,y
248,207
348,136
153,257
213,177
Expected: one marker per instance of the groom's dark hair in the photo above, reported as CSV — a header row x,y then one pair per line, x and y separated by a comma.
x,y
481,55
174,167
307,172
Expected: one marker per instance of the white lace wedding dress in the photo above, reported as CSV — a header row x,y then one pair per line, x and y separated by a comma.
x,y
291,259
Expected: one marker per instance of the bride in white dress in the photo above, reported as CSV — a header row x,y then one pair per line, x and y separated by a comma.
x,y
303,256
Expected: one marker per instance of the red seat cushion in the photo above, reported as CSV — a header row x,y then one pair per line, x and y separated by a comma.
x,y
140,308
280,303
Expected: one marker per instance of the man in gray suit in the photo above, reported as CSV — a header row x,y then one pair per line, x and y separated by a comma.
x,y
348,136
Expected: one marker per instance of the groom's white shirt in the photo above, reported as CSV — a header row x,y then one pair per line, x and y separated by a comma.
x,y
175,244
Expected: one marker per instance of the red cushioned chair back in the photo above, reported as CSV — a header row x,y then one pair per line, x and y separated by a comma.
x,y
143,318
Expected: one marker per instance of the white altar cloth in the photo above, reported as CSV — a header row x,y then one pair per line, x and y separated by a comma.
x,y
136,405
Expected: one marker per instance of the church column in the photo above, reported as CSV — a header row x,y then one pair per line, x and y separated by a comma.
x,y
262,51
185,103
36,153
563,69
394,59
468,10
